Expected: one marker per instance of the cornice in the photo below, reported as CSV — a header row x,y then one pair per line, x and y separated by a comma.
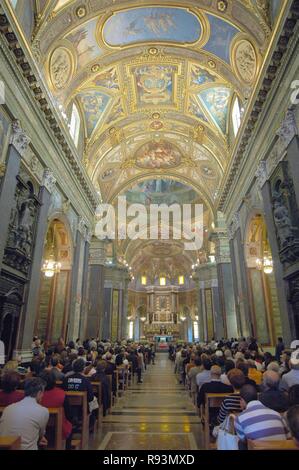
x,y
270,75
34,83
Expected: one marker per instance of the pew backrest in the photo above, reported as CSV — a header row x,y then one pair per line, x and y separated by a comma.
x,y
272,445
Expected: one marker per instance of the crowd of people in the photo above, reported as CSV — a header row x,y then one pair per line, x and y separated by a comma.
x,y
28,390
262,388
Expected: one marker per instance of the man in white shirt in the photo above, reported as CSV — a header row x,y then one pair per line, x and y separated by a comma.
x,y
27,418
204,376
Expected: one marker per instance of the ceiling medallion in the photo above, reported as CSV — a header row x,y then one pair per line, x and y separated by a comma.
x,y
81,12
153,51
222,5
95,68
112,130
156,116
211,64
156,125
245,60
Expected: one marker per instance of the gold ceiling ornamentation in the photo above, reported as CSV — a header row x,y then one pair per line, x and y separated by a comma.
x,y
212,64
222,5
81,12
95,68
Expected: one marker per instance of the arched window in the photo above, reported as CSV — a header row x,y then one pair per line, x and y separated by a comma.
x,y
236,116
75,125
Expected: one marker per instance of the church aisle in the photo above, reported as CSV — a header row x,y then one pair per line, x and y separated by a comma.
x,y
157,414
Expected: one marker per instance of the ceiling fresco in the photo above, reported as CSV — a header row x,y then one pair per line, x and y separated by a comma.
x,y
155,85
151,24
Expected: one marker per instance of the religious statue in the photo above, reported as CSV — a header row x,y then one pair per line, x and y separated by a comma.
x,y
27,214
283,223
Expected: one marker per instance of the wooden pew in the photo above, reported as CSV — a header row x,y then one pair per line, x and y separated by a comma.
x,y
116,377
54,427
79,400
121,374
112,401
10,443
212,400
97,391
272,445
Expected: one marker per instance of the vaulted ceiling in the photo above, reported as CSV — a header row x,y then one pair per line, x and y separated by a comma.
x,y
162,74
155,84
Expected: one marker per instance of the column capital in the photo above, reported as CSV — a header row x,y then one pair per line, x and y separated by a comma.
x,y
84,229
97,253
262,173
49,180
234,226
19,138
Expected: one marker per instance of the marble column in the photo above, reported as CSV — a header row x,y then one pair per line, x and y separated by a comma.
x,y
29,311
124,321
240,280
18,145
84,303
107,313
95,309
226,322
77,281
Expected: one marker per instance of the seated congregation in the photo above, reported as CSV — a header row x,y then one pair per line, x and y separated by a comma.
x,y
59,399
244,397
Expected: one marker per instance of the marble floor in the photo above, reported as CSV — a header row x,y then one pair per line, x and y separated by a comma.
x,y
155,415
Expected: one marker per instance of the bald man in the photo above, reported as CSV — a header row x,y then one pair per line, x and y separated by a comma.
x,y
271,396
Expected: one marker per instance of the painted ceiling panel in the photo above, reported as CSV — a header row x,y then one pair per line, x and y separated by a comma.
x,y
83,39
141,25
154,84
216,101
93,104
222,34
200,76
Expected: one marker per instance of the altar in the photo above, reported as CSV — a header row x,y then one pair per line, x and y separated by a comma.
x,y
162,343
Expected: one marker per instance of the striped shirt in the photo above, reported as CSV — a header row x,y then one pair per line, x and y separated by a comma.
x,y
229,405
258,422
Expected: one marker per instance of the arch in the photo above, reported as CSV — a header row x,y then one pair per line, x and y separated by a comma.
x,y
53,309
263,300
170,176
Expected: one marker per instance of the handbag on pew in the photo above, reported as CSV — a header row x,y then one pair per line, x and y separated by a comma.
x,y
227,438
93,405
